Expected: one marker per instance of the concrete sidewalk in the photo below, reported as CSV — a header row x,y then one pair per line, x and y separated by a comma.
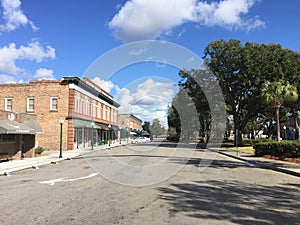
x,y
48,157
272,164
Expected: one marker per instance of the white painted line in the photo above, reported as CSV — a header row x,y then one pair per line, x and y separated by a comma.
x,y
52,182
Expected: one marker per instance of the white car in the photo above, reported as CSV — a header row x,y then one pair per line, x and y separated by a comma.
x,y
141,140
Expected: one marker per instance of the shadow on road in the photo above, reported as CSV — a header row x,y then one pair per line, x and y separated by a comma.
x,y
216,163
237,202
169,144
197,162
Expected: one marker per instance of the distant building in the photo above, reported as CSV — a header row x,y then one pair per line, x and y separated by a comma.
x,y
90,114
130,122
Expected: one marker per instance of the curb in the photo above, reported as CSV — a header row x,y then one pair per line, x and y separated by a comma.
x,y
34,165
29,166
263,165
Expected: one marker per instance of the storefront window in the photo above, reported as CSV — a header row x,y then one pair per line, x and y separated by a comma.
x,y
7,137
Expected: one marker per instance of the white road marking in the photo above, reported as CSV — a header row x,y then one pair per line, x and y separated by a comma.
x,y
52,182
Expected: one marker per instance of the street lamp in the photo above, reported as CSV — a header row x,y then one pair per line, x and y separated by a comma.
x,y
61,121
109,126
284,128
92,139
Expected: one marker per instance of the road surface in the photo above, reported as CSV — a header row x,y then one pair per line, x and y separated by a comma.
x,y
135,184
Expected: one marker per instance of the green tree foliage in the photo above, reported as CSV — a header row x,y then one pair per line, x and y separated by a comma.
x,y
229,63
276,93
156,128
146,126
173,119
242,71
183,116
189,84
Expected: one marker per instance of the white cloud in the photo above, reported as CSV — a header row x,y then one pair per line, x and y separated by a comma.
x,y
228,14
33,52
149,101
43,73
139,19
7,79
106,85
13,16
11,55
142,19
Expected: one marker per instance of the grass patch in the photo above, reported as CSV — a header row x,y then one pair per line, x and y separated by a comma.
x,y
245,149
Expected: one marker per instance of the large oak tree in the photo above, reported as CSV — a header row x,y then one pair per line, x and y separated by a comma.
x,y
242,72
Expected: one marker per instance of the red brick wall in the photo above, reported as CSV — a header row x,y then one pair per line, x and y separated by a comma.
x,y
49,120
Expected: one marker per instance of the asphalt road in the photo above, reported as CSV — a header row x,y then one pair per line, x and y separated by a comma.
x,y
151,183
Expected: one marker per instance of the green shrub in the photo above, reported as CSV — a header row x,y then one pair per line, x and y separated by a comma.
x,y
39,150
280,149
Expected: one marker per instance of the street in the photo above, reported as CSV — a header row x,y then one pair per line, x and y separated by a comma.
x,y
150,183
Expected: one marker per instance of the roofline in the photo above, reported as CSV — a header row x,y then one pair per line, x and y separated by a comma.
x,y
134,117
77,81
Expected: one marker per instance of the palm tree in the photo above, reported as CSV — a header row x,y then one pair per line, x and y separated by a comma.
x,y
276,93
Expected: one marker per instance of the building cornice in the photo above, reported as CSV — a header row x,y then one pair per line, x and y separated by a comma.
x,y
78,82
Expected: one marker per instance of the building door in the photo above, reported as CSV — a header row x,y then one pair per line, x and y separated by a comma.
x,y
79,136
86,137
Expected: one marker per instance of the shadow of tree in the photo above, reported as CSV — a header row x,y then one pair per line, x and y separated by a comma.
x,y
236,202
197,162
169,144
212,163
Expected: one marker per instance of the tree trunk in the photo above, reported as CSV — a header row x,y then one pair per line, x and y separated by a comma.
x,y
297,128
237,136
237,131
277,122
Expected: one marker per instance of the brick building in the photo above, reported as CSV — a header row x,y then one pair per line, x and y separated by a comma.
x,y
89,113
130,122
17,135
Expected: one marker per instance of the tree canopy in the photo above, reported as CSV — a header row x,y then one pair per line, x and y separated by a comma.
x,y
156,128
276,93
243,72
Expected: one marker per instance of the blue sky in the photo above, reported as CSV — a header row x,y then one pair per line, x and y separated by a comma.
x,y
49,39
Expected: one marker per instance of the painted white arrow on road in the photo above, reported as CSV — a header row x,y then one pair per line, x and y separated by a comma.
x,y
52,182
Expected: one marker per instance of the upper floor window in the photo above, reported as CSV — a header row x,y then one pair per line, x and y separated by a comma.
x,y
104,112
30,104
8,104
53,103
98,110
108,114
93,108
78,104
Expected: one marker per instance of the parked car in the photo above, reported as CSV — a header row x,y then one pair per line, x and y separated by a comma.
x,y
173,138
141,140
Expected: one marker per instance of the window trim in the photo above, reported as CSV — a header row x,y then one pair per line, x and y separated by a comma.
x,y
28,101
51,104
6,101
